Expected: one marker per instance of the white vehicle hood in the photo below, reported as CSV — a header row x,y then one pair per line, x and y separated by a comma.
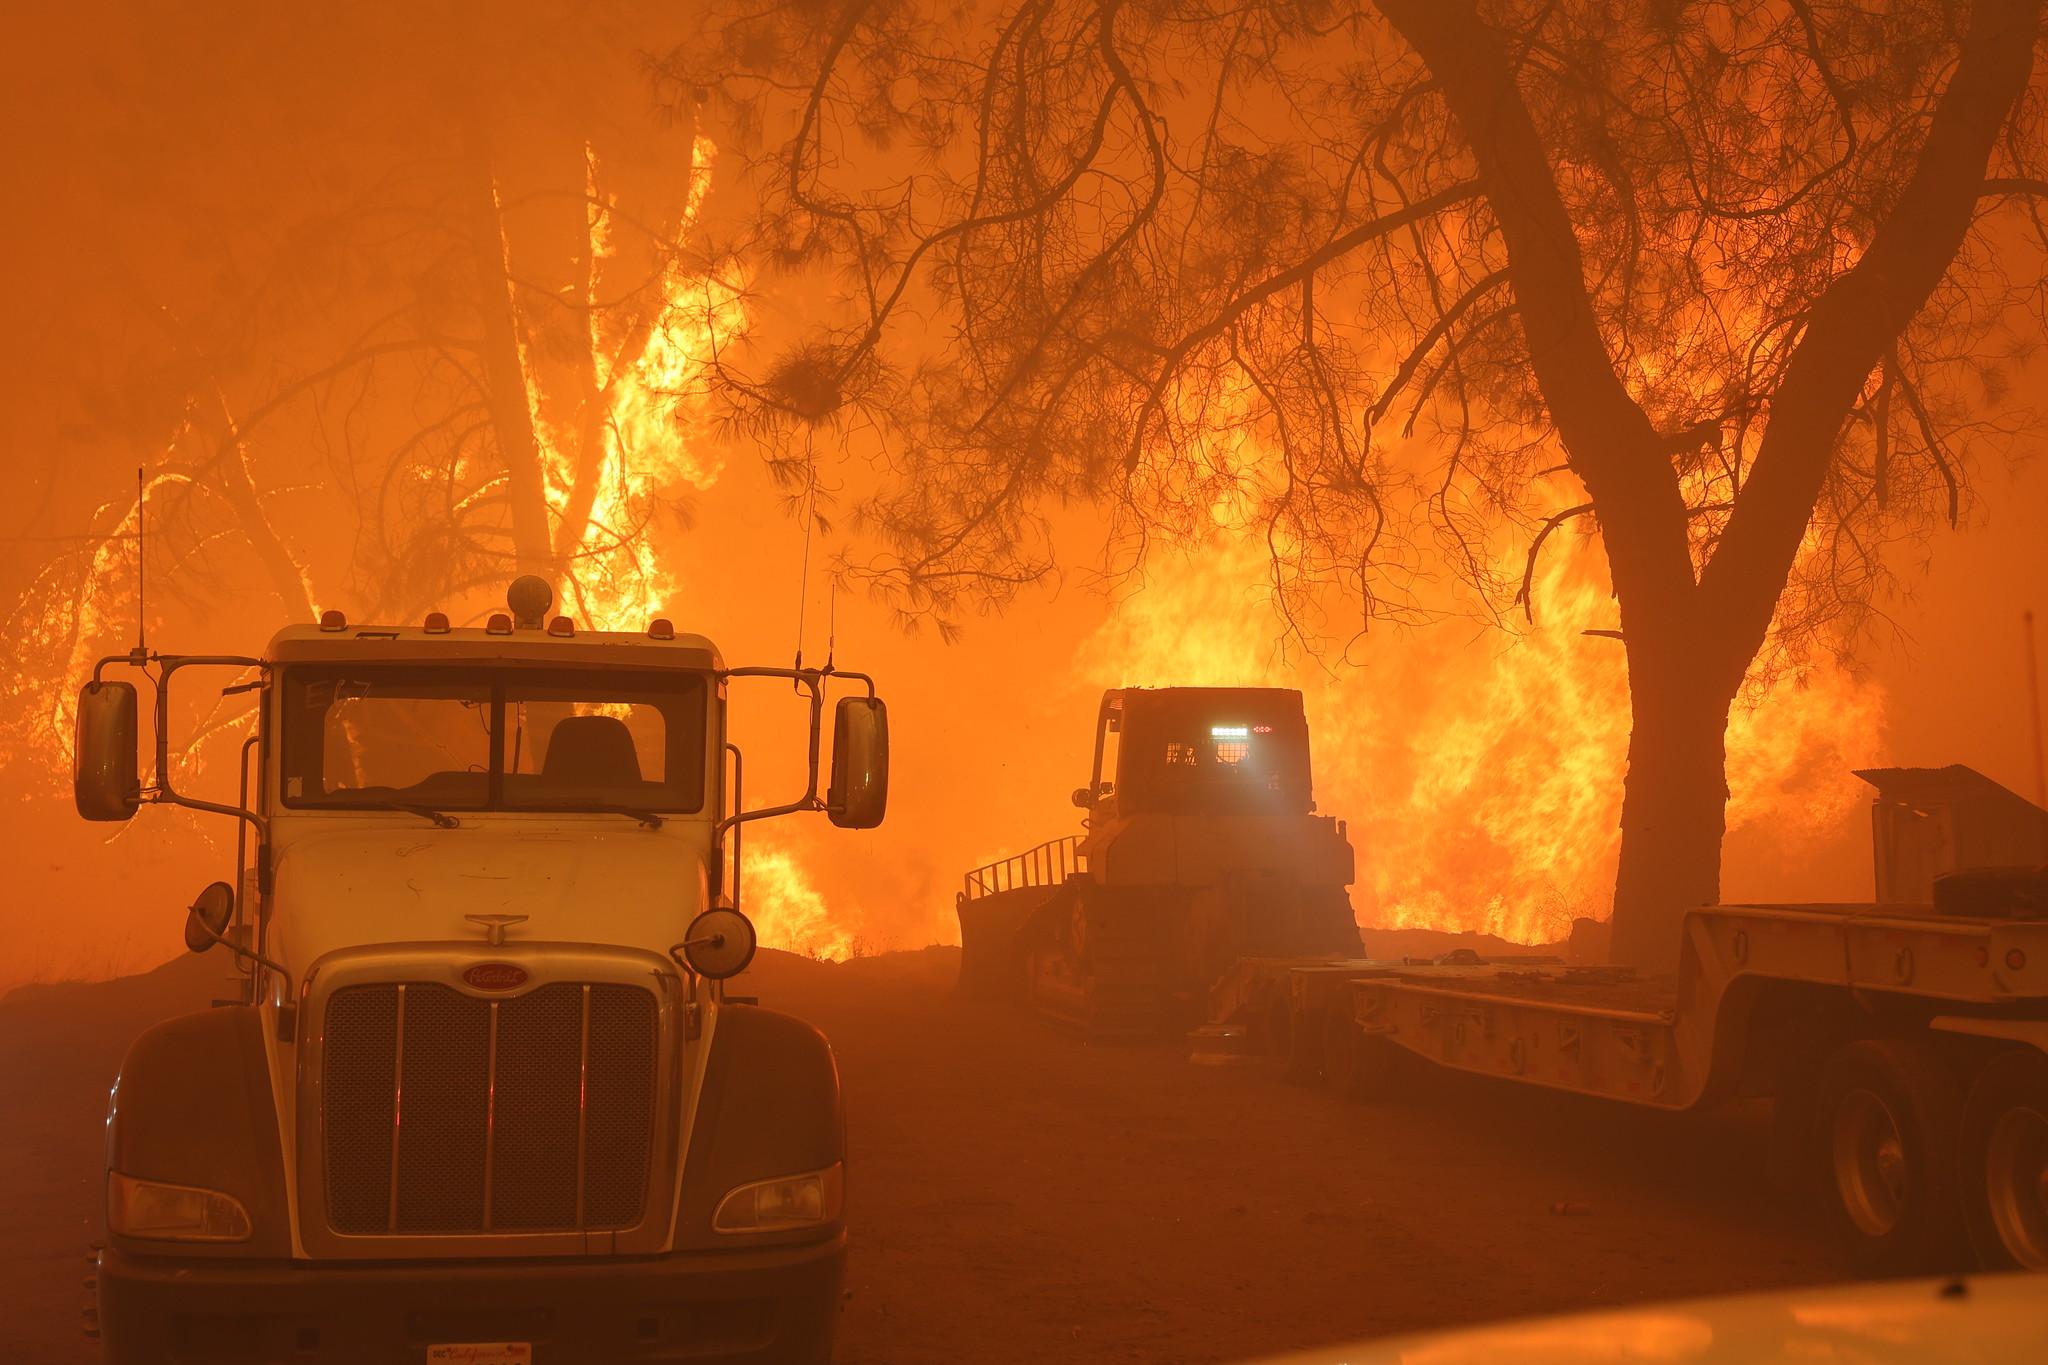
x,y
613,883
1988,1318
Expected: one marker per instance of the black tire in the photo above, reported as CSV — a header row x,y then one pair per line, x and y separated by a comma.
x,y
1885,1115
2004,1162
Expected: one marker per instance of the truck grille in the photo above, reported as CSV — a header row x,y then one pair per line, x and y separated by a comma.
x,y
444,1113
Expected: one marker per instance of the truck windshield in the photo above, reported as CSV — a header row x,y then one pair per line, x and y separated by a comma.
x,y
449,738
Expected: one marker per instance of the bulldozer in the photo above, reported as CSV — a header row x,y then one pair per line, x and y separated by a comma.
x,y
1200,846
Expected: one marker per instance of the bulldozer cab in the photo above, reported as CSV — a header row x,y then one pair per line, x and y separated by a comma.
x,y
1201,751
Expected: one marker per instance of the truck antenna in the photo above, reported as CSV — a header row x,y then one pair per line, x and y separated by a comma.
x,y
141,616
803,583
832,625
2034,709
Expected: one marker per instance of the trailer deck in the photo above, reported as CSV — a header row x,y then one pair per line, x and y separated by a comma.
x,y
1670,1041
1903,1041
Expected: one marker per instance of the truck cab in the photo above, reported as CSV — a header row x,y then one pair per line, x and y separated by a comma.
x,y
484,1096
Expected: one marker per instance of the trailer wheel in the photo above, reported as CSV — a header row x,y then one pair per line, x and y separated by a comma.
x,y
1885,1117
2005,1162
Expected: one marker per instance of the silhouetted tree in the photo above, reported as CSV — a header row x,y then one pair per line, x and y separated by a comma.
x,y
1745,273
387,384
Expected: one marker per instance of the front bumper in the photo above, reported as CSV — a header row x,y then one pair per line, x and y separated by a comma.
x,y
768,1304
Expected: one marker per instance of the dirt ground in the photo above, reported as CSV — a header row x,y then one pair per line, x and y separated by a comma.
x,y
1019,1194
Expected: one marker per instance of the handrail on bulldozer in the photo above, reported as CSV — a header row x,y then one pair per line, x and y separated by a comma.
x,y
1051,863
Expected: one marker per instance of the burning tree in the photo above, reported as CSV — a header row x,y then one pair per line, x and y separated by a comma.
x,y
484,341
1728,286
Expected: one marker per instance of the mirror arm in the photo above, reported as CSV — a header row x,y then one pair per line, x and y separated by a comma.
x,y
812,680
861,678
808,803
739,802
222,940
164,794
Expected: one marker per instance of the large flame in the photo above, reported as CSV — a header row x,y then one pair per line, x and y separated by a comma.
x,y
653,423
1480,769
788,910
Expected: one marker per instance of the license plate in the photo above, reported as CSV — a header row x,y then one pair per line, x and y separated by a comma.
x,y
481,1353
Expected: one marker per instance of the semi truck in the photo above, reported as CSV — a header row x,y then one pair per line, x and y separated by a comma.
x,y
481,1094
1201,846
1903,1042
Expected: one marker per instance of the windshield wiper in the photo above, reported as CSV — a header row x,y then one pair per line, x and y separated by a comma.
x,y
646,817
441,818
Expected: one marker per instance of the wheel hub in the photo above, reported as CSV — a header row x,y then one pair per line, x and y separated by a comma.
x,y
2016,1179
1872,1172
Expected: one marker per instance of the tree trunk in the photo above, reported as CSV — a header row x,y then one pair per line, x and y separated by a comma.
x,y
1689,642
1674,798
287,577
504,374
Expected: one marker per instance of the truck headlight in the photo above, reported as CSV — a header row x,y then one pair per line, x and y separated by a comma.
x,y
784,1203
173,1213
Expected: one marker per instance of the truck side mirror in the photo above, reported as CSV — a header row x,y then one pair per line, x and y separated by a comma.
x,y
859,794
105,784
718,944
208,918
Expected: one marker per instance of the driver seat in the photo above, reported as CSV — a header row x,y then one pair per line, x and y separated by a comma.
x,y
591,751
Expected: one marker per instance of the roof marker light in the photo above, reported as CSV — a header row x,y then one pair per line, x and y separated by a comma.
x,y
661,628
333,620
499,624
437,623
561,625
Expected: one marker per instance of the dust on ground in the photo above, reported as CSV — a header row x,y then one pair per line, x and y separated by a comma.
x,y
1017,1193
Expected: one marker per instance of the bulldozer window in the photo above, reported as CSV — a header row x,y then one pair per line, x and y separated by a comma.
x,y
1193,765
1107,745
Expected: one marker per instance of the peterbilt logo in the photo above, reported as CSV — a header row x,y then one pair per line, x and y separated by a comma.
x,y
495,976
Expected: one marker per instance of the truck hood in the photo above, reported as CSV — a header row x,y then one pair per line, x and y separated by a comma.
x,y
1986,1317
614,883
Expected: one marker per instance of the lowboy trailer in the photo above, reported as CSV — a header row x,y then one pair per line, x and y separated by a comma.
x,y
1904,1042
